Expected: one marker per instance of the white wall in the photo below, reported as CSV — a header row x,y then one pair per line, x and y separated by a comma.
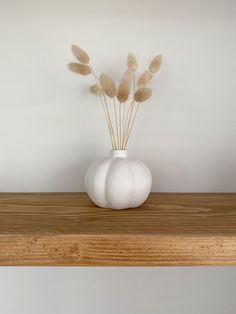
x,y
51,128
118,290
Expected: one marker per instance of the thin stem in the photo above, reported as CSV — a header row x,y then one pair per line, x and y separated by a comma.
x,y
128,120
123,127
127,114
134,82
132,124
120,131
106,110
115,111
109,118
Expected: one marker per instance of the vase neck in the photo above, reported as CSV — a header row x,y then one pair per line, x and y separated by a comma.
x,y
119,153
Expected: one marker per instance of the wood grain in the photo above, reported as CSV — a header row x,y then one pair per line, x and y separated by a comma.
x,y
67,229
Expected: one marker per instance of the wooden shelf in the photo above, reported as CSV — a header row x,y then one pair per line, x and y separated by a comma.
x,y
67,229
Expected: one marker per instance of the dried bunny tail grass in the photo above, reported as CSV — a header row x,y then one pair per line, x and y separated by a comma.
x,y
142,94
124,87
79,68
95,89
108,85
144,78
155,64
80,54
132,62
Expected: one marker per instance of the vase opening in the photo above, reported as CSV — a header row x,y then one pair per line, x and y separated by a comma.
x,y
119,153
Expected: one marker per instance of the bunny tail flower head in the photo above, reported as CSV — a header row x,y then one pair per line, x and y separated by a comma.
x,y
155,64
124,87
95,89
142,94
144,78
80,54
79,68
132,62
108,85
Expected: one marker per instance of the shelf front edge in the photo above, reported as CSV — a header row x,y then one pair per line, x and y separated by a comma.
x,y
117,250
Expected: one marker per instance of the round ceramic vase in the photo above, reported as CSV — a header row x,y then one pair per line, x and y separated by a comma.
x,y
118,182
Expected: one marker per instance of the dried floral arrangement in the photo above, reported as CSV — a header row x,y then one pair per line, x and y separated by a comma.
x,y
120,103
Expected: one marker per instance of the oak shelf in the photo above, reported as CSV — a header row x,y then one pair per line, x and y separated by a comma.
x,y
67,229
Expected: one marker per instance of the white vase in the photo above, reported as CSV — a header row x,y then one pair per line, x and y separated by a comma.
x,y
118,182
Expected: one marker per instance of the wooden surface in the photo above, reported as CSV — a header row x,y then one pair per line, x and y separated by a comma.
x,y
67,229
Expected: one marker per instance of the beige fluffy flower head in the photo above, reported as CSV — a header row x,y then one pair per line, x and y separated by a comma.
x,y
144,78
132,62
108,85
94,89
124,87
80,54
79,68
155,64
142,94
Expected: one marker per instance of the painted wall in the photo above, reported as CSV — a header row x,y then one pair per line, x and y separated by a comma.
x,y
51,129
173,290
